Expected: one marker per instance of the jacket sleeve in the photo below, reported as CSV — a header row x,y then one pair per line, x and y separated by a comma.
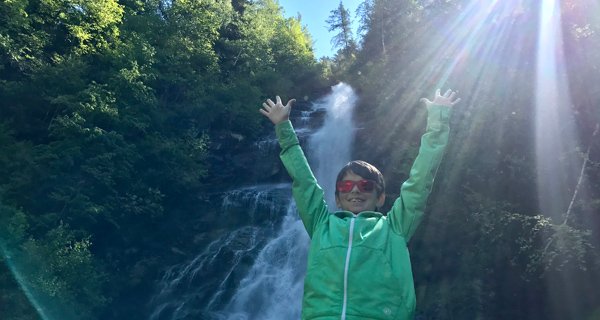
x,y
307,193
407,211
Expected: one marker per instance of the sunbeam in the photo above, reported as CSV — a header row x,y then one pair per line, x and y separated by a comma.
x,y
478,49
554,132
474,48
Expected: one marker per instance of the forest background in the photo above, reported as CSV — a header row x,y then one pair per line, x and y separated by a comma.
x,y
119,119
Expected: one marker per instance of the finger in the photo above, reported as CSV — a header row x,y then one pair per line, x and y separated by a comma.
x,y
278,99
452,95
264,112
447,93
270,102
425,101
289,103
437,92
455,102
266,106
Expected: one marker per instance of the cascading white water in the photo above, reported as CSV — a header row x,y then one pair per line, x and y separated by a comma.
x,y
272,287
330,148
193,290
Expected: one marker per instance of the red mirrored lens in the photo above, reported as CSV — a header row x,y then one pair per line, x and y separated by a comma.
x,y
345,186
363,185
366,185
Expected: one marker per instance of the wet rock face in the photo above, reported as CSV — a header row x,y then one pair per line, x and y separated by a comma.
x,y
238,160
241,161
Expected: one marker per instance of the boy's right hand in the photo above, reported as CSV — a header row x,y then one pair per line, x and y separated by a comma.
x,y
277,112
447,100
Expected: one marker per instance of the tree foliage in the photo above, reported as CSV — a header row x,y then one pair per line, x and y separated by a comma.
x,y
113,114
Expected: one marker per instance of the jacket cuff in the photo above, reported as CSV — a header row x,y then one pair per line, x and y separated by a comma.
x,y
286,134
437,116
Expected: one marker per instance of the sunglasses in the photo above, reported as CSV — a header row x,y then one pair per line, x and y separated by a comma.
x,y
345,186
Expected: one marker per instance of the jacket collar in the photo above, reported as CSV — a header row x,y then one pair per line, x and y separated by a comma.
x,y
364,214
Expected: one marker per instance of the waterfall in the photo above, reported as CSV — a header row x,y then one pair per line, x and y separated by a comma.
x,y
258,270
330,148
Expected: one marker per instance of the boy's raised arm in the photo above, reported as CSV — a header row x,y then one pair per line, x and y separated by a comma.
x,y
407,211
307,193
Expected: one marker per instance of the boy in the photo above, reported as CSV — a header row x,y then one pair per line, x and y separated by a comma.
x,y
358,262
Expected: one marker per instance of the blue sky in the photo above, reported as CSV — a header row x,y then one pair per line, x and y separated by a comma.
x,y
314,13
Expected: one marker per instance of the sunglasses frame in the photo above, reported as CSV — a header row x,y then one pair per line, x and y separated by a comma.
x,y
362,185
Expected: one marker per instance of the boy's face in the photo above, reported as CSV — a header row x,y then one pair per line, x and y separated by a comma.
x,y
356,201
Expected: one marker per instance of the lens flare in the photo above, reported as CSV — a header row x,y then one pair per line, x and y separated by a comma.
x,y
11,265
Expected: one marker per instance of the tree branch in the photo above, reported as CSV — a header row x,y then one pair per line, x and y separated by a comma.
x,y
586,158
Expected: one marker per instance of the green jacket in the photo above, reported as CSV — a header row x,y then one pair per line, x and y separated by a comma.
x,y
359,265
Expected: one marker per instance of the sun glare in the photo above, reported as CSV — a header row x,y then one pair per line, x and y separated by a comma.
x,y
473,44
479,48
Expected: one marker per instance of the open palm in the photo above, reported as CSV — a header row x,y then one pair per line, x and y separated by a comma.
x,y
277,112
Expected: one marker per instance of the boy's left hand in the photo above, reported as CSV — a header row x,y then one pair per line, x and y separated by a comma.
x,y
442,100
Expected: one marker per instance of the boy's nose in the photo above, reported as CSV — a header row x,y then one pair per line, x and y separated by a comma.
x,y
355,189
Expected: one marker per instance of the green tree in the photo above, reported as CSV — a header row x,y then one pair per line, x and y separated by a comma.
x,y
340,20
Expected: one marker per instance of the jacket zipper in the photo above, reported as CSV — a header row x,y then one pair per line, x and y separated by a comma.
x,y
347,265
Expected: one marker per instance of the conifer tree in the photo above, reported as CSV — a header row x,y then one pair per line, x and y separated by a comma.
x,y
339,20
